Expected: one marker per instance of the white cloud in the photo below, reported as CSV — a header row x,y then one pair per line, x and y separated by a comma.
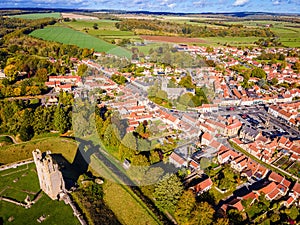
x,y
200,3
276,2
172,5
240,2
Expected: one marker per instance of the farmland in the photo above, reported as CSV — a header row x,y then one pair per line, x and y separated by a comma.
x,y
67,35
106,30
33,16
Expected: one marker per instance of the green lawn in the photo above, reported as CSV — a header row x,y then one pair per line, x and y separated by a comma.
x,y
16,183
67,35
281,161
26,182
55,15
126,208
295,169
13,153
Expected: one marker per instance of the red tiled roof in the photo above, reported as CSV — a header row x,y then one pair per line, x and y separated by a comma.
x,y
251,195
286,183
268,189
207,136
272,195
276,177
203,185
296,188
177,158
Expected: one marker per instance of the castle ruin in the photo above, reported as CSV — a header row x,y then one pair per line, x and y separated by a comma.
x,y
50,178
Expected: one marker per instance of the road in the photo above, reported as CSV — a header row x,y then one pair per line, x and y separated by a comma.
x,y
11,137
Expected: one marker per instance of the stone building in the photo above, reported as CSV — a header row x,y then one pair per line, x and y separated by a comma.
x,y
173,93
50,178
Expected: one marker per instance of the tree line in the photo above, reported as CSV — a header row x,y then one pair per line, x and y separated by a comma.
x,y
188,30
26,119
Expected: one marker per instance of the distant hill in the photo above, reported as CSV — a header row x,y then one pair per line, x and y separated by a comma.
x,y
232,14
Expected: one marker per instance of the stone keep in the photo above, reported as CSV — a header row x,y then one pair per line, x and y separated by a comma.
x,y
50,178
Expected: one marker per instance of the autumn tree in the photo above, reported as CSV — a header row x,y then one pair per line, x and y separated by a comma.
x,y
128,146
259,73
61,120
11,72
185,207
82,68
167,192
41,75
203,214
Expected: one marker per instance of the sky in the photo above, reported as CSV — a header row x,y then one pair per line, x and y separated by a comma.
x,y
183,6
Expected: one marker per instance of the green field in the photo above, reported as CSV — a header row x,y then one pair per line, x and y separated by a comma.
x,y
38,15
130,213
288,35
17,152
22,181
106,30
67,35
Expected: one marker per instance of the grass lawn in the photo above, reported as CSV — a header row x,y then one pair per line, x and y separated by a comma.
x,y
127,209
18,182
218,196
281,161
33,16
295,169
27,183
67,35
57,211
17,152
145,49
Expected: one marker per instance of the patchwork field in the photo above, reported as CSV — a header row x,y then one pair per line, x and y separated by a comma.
x,y
172,39
67,35
17,184
288,33
105,30
38,15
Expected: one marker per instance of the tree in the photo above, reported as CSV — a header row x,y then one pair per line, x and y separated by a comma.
x,y
275,217
184,207
204,163
167,192
203,214
293,213
274,81
296,67
26,132
41,75
162,94
128,146
234,216
95,26
187,82
143,144
186,99
118,79
259,73
61,120
82,68
11,72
